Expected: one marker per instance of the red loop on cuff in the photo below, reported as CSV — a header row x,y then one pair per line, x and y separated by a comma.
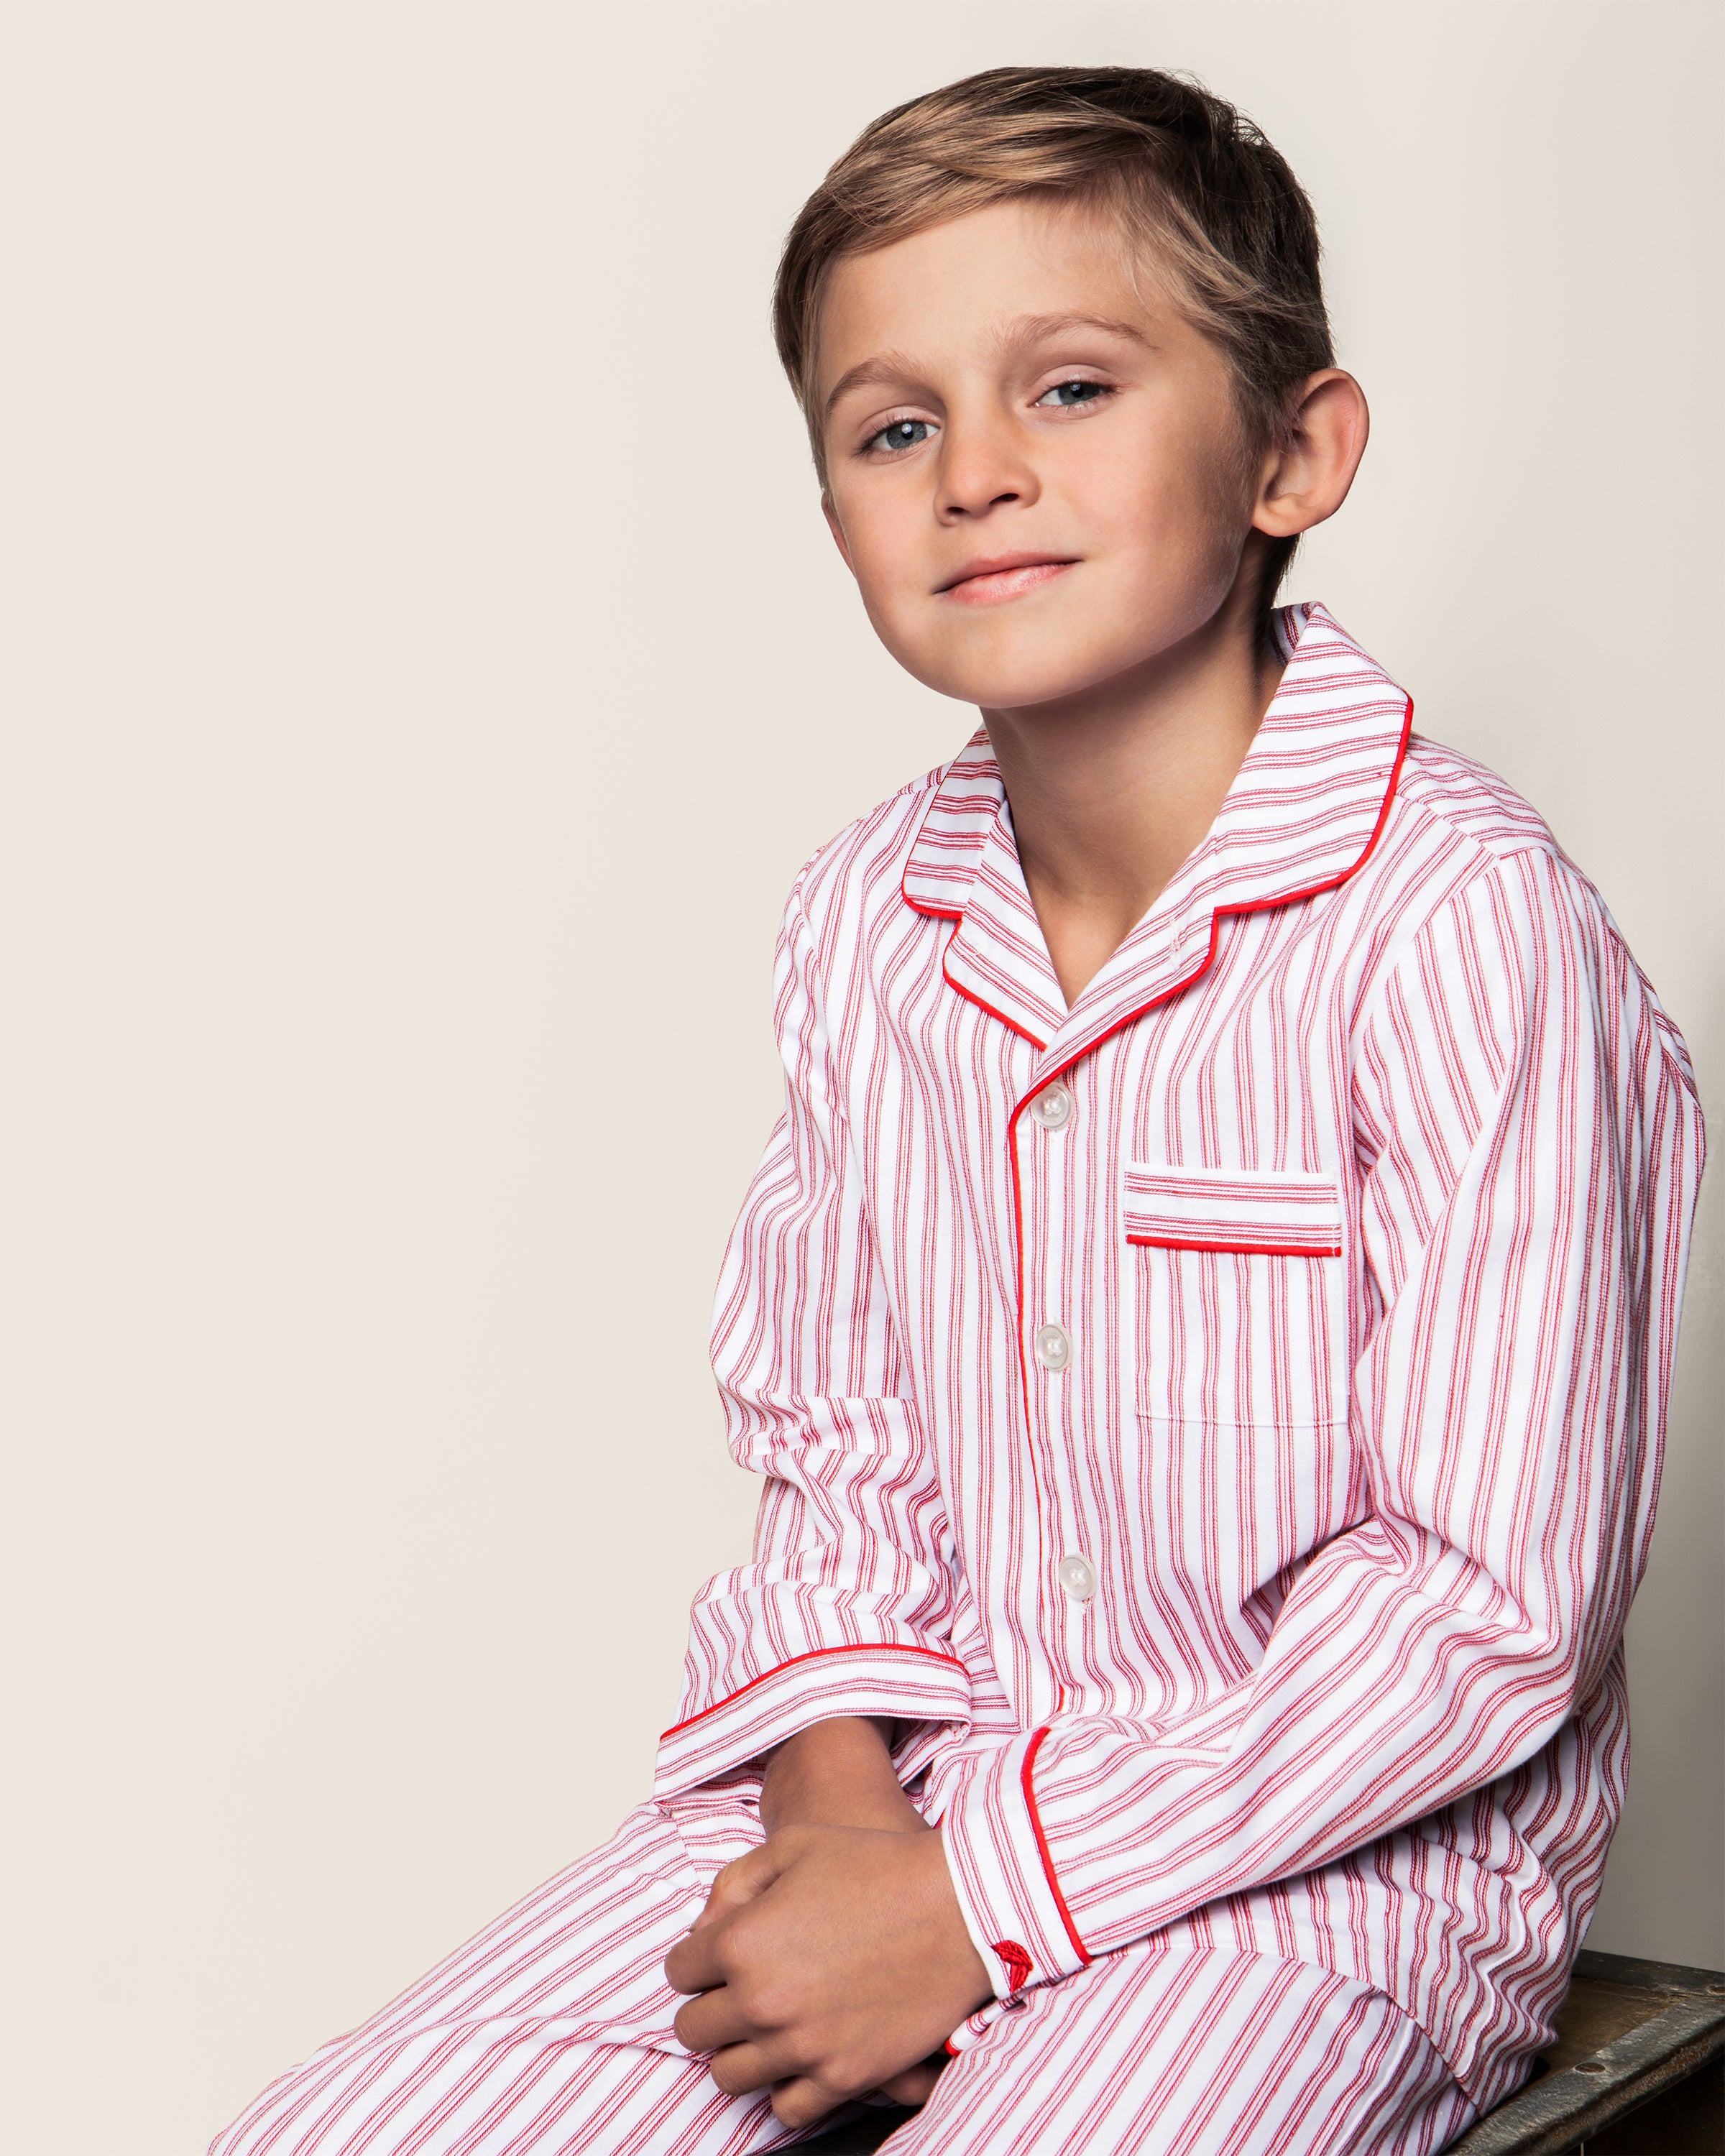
x,y
1015,1961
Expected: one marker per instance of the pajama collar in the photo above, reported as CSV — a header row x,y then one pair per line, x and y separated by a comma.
x,y
1303,814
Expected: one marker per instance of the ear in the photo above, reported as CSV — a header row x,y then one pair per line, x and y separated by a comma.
x,y
1308,479
837,530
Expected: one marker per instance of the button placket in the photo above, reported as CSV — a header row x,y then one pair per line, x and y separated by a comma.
x,y
1053,1405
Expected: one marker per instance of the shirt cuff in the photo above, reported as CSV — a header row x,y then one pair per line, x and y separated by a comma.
x,y
912,1685
1001,1874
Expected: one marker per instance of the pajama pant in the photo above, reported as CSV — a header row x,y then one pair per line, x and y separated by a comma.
x,y
549,2033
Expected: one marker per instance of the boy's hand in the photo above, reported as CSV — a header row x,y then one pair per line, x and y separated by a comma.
x,y
831,1961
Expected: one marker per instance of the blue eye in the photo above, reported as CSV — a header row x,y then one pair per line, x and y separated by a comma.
x,y
901,434
1066,394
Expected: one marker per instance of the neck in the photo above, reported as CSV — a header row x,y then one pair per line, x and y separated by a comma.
x,y
1110,790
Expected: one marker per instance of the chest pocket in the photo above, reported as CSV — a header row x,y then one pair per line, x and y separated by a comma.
x,y
1240,1297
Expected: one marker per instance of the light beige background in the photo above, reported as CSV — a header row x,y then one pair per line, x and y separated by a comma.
x,y
425,670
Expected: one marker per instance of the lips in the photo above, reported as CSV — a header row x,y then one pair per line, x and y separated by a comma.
x,y
986,583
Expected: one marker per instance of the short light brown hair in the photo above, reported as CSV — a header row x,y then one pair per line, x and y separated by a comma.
x,y
1188,178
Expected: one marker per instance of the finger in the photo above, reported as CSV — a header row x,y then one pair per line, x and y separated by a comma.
x,y
916,2085
693,1963
711,1910
709,2023
739,2069
801,2102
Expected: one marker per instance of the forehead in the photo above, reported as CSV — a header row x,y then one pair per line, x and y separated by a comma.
x,y
951,294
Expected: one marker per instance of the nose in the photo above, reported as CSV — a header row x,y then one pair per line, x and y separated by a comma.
x,y
981,468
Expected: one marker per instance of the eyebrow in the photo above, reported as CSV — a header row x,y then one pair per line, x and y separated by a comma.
x,y
890,366
1036,329
884,368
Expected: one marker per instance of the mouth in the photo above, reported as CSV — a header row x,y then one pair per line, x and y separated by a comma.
x,y
1005,577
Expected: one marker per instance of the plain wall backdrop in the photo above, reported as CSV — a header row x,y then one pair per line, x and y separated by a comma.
x,y
425,669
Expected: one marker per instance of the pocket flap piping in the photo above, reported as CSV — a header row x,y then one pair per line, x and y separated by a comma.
x,y
1284,1214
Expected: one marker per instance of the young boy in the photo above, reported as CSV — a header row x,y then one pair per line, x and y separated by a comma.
x,y
1203,1319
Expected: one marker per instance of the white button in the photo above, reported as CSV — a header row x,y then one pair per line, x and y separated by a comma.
x,y
1053,1106
1077,1577
1054,1349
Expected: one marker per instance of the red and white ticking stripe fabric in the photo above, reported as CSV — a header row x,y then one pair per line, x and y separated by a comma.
x,y
1220,1420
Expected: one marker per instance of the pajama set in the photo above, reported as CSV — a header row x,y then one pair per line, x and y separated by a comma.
x,y
1218,1424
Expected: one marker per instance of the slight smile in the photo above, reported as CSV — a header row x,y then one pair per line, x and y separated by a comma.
x,y
1006,577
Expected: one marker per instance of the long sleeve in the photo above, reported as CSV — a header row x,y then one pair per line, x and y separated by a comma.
x,y
846,1607
1528,1149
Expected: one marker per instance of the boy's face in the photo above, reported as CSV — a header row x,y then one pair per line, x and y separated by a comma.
x,y
1034,471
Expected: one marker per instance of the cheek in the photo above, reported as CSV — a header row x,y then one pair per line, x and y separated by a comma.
x,y
1165,509
886,558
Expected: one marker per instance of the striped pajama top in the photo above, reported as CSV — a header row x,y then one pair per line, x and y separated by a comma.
x,y
1219,1423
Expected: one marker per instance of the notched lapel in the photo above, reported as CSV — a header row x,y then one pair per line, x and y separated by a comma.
x,y
1302,815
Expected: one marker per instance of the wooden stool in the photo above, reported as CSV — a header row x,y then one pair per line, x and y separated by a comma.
x,y
1637,2069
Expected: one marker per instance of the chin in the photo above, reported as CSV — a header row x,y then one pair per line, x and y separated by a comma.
x,y
1011,671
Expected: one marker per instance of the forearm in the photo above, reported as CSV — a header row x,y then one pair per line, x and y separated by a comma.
x,y
837,1772
1383,1696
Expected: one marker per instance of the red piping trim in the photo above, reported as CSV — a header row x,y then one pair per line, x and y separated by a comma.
x,y
935,913
812,1654
929,912
1245,1249
1031,1749
1018,1236
1011,1025
945,913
